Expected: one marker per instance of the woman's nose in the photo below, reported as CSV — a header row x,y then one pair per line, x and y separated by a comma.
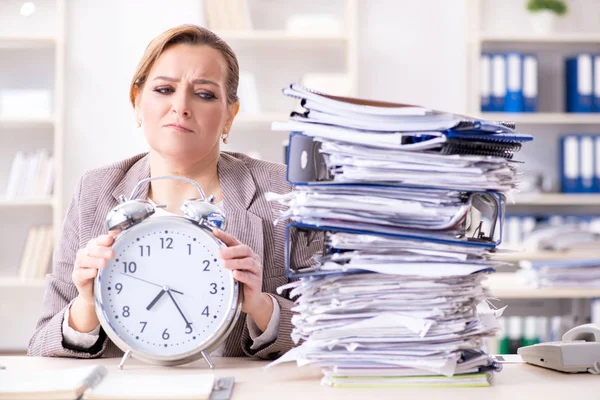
x,y
180,106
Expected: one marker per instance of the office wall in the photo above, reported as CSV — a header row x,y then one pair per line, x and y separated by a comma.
x,y
414,52
402,55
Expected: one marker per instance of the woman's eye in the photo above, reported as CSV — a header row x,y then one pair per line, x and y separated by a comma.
x,y
164,90
206,95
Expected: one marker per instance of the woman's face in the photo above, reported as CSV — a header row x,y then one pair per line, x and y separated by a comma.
x,y
183,104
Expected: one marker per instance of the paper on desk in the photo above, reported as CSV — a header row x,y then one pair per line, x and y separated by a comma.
x,y
180,385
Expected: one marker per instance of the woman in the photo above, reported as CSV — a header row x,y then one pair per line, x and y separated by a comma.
x,y
184,96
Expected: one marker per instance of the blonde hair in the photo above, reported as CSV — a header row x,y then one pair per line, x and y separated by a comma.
x,y
186,34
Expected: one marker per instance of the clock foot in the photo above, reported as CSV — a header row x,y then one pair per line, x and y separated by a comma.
x,y
208,360
125,357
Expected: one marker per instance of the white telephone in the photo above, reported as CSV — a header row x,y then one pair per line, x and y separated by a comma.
x,y
579,351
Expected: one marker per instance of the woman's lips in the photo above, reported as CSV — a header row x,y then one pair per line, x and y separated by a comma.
x,y
179,128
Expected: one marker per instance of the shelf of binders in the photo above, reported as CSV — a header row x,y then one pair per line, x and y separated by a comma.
x,y
543,255
558,199
506,285
280,36
544,118
556,38
13,282
19,42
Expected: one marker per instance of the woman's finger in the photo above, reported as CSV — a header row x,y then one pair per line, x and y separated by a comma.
x,y
244,264
102,240
86,273
92,262
101,252
239,251
246,278
226,238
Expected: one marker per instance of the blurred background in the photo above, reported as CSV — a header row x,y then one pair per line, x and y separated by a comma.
x,y
66,66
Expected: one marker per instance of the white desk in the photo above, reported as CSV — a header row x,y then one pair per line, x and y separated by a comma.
x,y
287,382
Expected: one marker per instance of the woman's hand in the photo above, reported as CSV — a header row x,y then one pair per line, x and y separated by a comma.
x,y
87,263
82,315
248,270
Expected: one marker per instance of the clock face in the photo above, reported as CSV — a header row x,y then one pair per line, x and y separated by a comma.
x,y
166,292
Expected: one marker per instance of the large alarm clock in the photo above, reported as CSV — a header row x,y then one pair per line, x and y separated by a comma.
x,y
165,298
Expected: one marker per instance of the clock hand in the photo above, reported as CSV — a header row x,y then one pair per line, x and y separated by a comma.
x,y
187,324
153,302
152,283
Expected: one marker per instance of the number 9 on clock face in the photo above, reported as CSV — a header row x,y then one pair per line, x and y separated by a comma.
x,y
166,295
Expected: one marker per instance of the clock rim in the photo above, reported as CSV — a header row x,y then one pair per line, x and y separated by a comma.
x,y
214,341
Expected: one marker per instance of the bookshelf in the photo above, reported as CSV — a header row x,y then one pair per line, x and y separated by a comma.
x,y
6,283
503,27
11,42
488,31
264,40
33,52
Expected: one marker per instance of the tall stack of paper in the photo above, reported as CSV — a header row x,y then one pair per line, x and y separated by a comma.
x,y
408,203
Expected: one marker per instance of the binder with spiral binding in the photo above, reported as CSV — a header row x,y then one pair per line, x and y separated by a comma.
x,y
306,164
476,148
504,137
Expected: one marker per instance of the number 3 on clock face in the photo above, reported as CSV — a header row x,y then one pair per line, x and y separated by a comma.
x,y
166,293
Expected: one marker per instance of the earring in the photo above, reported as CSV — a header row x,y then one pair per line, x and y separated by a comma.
x,y
224,137
139,123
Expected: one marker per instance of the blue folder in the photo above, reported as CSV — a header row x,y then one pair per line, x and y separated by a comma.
x,y
570,168
513,102
579,83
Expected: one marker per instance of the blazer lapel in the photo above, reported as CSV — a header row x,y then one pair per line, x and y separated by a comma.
x,y
239,189
140,170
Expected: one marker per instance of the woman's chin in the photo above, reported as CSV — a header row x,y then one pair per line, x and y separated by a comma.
x,y
182,153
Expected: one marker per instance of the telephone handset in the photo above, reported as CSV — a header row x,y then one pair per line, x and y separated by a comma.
x,y
579,351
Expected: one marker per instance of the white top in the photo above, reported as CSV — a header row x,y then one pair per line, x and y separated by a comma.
x,y
87,339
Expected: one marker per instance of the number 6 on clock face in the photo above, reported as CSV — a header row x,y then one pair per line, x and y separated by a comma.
x,y
166,295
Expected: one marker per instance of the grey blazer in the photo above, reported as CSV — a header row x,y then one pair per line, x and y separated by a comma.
x,y
244,181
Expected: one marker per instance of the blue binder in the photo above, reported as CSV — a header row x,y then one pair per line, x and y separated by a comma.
x,y
579,83
313,233
530,83
596,163
596,80
498,82
513,101
586,159
485,85
569,163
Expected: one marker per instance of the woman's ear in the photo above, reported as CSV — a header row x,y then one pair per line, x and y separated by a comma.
x,y
232,110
